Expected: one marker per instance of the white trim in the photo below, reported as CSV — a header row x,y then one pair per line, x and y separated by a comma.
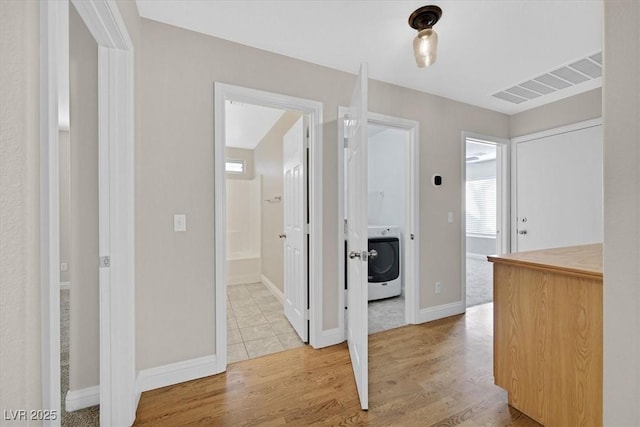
x,y
412,213
477,256
64,286
104,22
116,139
314,109
559,130
503,200
273,288
241,280
514,165
83,398
441,311
330,337
175,373
49,209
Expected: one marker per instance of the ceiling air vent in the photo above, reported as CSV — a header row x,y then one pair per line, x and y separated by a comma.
x,y
580,71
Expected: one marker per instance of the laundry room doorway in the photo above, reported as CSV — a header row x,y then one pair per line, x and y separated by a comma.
x,y
392,218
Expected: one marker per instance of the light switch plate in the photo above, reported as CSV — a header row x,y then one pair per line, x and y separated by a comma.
x,y
179,222
450,217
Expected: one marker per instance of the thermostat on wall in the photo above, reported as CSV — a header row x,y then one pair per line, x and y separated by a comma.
x,y
436,180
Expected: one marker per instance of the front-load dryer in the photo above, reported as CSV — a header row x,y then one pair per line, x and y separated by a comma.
x,y
385,278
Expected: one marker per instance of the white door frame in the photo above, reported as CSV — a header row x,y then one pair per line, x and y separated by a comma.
x,y
411,248
503,185
118,399
223,92
514,165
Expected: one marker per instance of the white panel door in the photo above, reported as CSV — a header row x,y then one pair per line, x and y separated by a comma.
x,y
559,190
357,238
295,224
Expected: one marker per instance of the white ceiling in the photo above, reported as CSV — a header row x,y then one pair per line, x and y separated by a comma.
x,y
484,46
247,124
479,152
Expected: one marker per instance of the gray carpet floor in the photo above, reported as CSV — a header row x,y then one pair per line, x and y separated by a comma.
x,y
385,314
87,417
479,281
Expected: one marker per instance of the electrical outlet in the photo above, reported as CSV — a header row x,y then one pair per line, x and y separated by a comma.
x,y
64,266
438,287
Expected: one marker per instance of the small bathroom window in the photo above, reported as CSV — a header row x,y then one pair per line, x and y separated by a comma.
x,y
234,166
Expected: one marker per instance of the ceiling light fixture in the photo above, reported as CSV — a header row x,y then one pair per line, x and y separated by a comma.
x,y
426,42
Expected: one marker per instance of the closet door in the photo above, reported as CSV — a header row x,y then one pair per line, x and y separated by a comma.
x,y
559,190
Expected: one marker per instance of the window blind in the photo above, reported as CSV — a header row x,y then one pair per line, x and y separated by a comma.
x,y
481,206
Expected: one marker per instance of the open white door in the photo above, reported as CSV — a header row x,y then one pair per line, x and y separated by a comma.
x,y
295,224
357,238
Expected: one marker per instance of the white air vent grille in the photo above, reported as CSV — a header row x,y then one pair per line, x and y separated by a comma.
x,y
580,71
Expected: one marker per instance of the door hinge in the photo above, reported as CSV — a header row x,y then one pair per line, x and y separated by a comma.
x,y
346,142
345,226
306,229
105,261
308,314
308,133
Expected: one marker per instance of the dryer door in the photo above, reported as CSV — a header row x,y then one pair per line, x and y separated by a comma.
x,y
385,266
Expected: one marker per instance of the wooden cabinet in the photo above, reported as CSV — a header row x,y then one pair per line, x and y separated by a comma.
x,y
548,333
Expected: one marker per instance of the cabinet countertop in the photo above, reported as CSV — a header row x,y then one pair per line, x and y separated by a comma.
x,y
585,260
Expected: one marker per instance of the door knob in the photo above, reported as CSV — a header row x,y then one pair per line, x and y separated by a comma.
x,y
282,236
522,231
364,255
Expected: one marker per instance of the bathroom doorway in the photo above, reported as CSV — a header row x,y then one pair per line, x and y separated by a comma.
x,y
269,280
256,138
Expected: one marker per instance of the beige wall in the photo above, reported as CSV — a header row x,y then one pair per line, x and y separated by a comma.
x,y
622,213
175,272
19,209
84,339
233,153
20,384
268,158
65,201
578,108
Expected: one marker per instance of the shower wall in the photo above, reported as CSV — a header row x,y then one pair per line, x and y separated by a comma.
x,y
243,231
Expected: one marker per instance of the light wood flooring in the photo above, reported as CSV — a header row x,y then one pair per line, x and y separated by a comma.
x,y
435,374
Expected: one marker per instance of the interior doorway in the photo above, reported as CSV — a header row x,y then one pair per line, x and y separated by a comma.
x,y
392,218
485,199
116,392
274,279
265,167
387,229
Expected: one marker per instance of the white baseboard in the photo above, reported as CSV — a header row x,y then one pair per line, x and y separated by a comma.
x,y
241,280
83,398
441,311
175,373
477,256
273,288
65,286
328,338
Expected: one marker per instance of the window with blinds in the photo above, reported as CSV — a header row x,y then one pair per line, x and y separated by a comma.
x,y
481,207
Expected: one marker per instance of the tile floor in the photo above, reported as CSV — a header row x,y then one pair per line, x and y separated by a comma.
x,y
256,324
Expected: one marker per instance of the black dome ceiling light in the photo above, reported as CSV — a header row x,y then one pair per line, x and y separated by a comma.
x,y
426,42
